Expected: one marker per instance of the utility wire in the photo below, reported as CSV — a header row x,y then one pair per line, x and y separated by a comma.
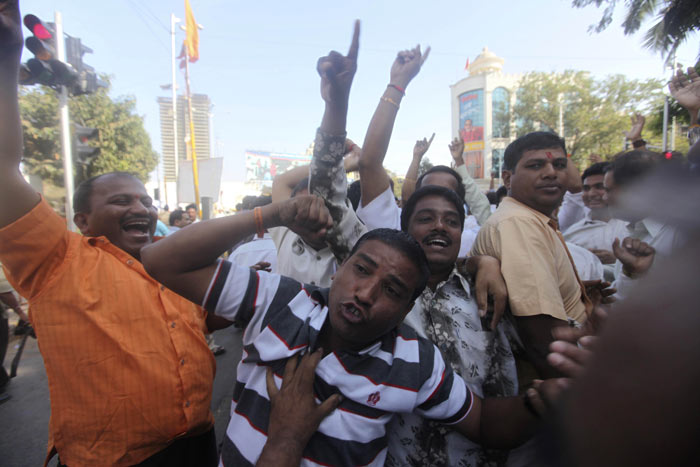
x,y
146,23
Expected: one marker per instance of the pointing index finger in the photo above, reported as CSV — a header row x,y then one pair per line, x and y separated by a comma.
x,y
425,56
355,44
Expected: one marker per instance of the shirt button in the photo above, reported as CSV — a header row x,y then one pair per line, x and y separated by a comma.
x,y
129,262
182,362
162,287
318,257
172,325
187,404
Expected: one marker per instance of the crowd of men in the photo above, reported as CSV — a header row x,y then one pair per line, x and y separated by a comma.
x,y
435,329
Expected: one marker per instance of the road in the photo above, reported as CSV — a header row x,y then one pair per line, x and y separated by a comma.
x,y
24,419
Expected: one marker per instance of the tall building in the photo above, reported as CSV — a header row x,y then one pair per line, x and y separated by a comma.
x,y
201,106
481,113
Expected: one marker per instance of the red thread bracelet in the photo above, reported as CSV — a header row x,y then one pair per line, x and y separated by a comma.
x,y
402,91
257,214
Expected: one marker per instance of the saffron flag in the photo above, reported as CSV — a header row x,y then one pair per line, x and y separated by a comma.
x,y
466,67
192,40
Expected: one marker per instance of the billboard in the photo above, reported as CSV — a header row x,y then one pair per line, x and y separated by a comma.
x,y
471,130
261,167
209,174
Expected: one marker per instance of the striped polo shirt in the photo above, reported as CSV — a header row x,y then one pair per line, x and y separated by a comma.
x,y
399,373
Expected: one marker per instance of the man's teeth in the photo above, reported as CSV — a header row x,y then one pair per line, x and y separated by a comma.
x,y
354,311
140,225
438,242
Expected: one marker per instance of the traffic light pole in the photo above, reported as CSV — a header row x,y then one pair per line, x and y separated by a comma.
x,y
65,125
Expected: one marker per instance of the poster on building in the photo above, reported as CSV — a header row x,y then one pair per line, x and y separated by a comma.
x,y
471,130
261,167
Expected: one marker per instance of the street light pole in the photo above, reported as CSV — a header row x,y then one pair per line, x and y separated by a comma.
x,y
65,125
176,155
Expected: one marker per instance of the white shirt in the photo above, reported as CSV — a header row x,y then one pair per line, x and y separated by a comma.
x,y
572,210
256,250
596,234
662,237
587,264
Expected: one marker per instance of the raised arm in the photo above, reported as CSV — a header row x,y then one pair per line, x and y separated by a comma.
x,y
327,177
12,184
284,183
634,135
478,203
409,183
185,261
373,178
685,88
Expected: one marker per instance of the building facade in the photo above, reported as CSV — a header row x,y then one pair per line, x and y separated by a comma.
x,y
482,114
201,110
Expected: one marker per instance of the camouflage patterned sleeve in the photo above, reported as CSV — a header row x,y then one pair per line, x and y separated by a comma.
x,y
327,179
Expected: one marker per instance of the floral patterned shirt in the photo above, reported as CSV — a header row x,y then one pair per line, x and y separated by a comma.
x,y
449,317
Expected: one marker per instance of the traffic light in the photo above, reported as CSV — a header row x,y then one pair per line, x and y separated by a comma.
x,y
87,81
44,68
84,153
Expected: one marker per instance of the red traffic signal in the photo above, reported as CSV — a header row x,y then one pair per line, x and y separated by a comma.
x,y
37,28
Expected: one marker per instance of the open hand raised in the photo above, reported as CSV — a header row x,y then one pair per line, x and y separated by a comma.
x,y
686,90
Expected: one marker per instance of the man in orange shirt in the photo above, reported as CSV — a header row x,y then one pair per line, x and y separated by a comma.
x,y
129,371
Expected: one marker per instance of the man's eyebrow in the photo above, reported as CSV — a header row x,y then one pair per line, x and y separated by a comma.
x,y
433,211
367,259
399,282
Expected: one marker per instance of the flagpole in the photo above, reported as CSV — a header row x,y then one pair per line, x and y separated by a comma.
x,y
195,174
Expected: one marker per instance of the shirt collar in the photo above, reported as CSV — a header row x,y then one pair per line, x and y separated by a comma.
x,y
454,276
518,205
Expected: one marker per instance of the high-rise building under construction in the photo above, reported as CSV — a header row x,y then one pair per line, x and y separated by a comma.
x,y
201,106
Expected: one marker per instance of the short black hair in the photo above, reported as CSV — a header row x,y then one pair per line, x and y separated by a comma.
x,y
631,166
407,245
431,190
175,216
302,185
491,195
81,197
444,168
598,168
501,193
355,194
530,142
191,206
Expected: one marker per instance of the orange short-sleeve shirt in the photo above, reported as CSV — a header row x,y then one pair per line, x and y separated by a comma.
x,y
128,366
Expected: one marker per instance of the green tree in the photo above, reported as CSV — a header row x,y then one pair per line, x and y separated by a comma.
x,y
595,113
676,19
424,166
123,142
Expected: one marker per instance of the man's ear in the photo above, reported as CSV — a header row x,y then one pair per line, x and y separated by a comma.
x,y
506,174
80,220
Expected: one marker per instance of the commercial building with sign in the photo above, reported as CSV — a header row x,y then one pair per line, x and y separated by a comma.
x,y
481,113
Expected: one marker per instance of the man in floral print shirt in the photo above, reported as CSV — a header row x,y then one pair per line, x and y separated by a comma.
x,y
447,314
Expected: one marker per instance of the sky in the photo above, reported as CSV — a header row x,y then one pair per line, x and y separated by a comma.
x,y
258,60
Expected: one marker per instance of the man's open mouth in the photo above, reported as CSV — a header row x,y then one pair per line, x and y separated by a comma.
x,y
437,242
351,313
137,226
